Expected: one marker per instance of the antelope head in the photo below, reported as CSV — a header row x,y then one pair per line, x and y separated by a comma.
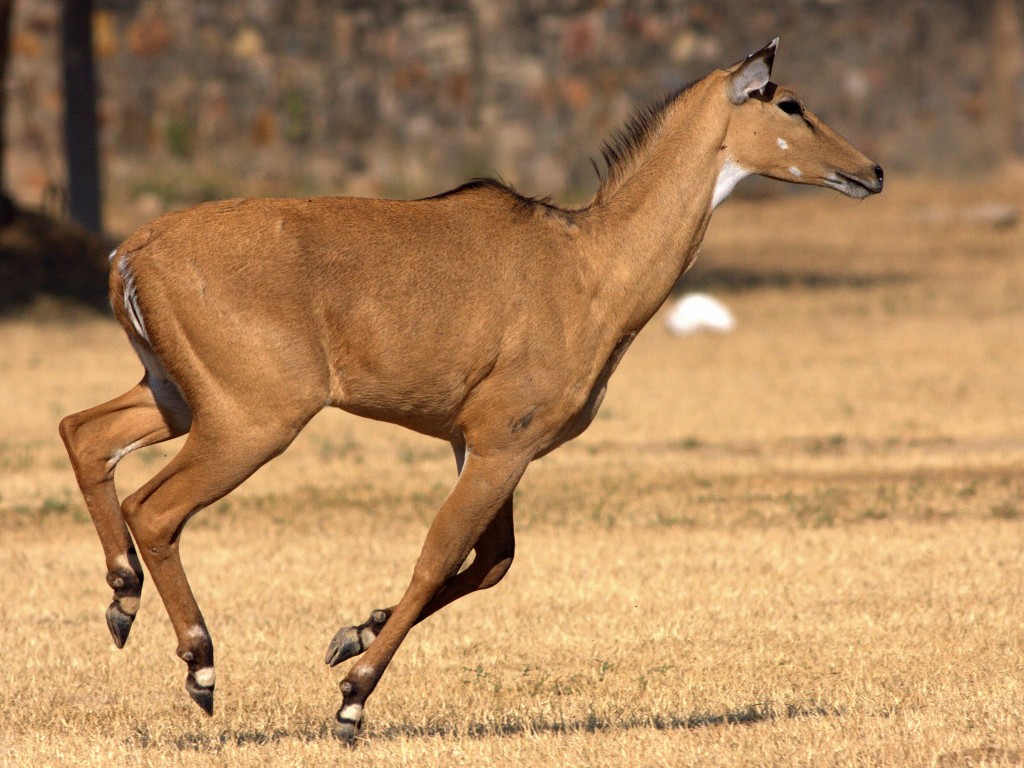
x,y
772,134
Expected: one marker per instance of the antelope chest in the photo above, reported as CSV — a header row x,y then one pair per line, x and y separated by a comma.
x,y
583,418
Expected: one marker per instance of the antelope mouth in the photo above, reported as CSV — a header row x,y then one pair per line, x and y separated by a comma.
x,y
853,186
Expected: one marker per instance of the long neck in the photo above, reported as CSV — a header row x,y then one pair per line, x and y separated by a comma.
x,y
644,228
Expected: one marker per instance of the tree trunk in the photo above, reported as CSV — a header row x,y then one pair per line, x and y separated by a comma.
x,y
7,209
1007,65
80,127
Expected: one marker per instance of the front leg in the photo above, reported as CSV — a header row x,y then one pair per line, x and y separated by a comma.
x,y
493,557
485,484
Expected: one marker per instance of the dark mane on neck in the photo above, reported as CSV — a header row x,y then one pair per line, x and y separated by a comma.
x,y
524,203
622,154
624,149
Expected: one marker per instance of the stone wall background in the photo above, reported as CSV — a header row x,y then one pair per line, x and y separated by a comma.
x,y
212,98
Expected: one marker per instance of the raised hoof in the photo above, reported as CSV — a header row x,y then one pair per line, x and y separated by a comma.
x,y
119,623
346,729
345,645
351,641
201,694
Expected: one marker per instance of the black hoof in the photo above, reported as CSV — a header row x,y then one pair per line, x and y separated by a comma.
x,y
119,623
345,645
351,641
201,695
347,730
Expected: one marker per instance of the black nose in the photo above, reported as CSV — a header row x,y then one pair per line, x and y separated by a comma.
x,y
880,174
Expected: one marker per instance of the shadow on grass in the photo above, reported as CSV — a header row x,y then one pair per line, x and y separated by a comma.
x,y
202,742
742,280
750,715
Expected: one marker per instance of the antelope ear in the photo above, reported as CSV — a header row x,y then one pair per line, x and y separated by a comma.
x,y
752,74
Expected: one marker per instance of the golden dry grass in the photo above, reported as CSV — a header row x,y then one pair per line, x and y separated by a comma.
x,y
799,544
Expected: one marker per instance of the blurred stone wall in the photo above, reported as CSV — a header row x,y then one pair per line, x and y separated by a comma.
x,y
210,98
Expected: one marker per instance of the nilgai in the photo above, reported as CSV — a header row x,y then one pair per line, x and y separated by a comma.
x,y
480,316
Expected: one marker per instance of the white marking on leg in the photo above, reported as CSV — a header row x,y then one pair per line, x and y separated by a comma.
x,y
353,712
121,561
728,177
367,636
164,388
131,298
783,144
795,171
205,677
129,605
198,632
120,453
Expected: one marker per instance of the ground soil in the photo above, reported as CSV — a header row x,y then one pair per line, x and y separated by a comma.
x,y
795,544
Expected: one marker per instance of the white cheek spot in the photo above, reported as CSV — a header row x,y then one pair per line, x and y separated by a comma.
x,y
782,143
205,677
728,177
353,712
795,171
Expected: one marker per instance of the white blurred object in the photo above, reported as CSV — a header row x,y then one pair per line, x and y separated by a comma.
x,y
697,312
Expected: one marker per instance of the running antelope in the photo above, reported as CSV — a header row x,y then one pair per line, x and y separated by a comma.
x,y
479,316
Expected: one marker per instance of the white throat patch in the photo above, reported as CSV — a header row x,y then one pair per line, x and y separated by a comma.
x,y
730,175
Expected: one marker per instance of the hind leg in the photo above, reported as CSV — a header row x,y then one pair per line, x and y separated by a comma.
x,y
219,454
96,440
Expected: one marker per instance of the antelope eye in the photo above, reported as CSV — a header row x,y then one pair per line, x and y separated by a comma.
x,y
791,107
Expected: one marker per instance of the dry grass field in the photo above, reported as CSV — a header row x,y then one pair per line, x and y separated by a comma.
x,y
797,544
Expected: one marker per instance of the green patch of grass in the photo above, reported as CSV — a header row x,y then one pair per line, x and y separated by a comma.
x,y
342,447
152,455
874,513
687,444
604,514
413,454
181,187
53,506
298,117
15,456
818,510
670,520
968,490
178,134
49,508
830,444
1007,510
